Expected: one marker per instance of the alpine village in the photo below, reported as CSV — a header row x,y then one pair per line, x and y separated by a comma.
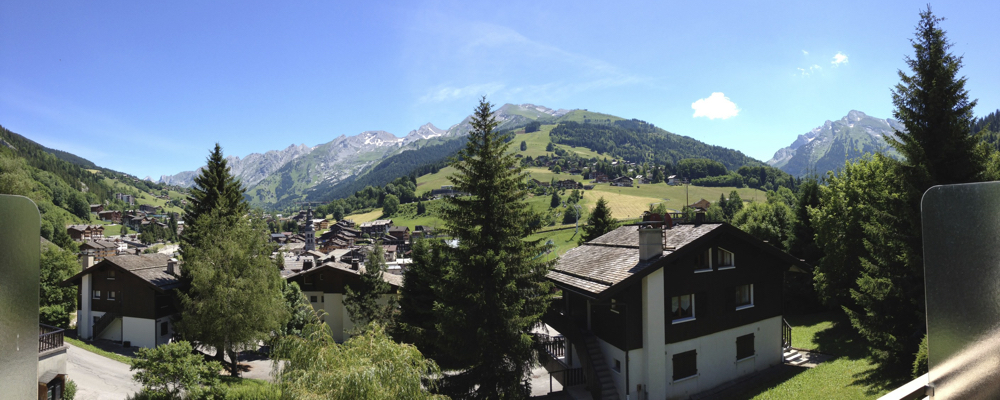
x,y
522,252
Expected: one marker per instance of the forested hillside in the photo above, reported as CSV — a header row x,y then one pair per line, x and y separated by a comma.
x,y
639,141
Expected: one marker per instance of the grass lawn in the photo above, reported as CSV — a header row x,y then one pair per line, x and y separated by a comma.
x,y
95,350
849,376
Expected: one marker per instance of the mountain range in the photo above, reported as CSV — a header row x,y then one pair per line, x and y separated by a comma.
x,y
828,146
282,176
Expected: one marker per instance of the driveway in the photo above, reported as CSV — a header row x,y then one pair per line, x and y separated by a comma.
x,y
98,377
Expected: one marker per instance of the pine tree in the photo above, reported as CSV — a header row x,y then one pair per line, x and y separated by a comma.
x,y
555,201
938,148
214,189
362,300
599,222
417,319
495,291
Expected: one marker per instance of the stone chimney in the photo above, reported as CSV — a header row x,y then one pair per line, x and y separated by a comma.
x,y
173,267
87,261
650,242
699,218
307,263
354,264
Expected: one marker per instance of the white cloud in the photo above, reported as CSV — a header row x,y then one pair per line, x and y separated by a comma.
x,y
810,70
805,53
839,58
446,93
715,106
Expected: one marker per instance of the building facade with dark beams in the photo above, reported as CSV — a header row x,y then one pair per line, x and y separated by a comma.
x,y
127,298
676,310
326,285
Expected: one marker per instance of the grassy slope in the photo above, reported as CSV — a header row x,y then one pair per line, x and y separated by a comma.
x,y
849,376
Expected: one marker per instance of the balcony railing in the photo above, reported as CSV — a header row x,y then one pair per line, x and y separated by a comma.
x,y
49,337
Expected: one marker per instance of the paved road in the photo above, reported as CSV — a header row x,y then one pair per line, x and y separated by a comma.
x,y
98,377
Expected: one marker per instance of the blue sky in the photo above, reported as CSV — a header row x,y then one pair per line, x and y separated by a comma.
x,y
148,87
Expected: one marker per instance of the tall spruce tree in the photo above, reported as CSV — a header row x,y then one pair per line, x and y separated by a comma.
x,y
938,148
599,222
495,290
362,301
417,319
214,189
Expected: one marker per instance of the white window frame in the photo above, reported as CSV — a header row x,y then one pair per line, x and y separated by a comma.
x,y
709,267
684,319
111,295
96,295
746,306
732,255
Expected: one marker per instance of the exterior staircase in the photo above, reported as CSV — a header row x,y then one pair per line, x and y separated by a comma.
x,y
792,357
606,384
103,323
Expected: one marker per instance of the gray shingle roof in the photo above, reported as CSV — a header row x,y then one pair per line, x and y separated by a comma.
x,y
601,263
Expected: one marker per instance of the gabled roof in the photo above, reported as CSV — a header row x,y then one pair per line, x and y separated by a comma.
x,y
99,244
607,265
339,267
150,268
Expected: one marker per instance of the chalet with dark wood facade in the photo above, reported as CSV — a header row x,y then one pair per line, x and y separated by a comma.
x,y
128,298
85,232
325,286
671,312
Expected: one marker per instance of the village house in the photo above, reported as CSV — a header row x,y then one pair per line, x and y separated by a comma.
x,y
96,208
99,249
127,199
673,180
600,177
110,215
569,184
672,311
325,287
320,224
81,233
148,209
701,205
622,181
376,228
128,299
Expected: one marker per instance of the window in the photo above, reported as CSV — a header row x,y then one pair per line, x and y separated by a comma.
x,y
163,328
111,275
96,318
744,346
308,279
724,259
97,294
744,296
682,308
312,299
685,365
614,306
703,261
111,295
320,276
618,366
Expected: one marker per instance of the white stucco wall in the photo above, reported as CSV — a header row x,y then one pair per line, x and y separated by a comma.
x,y
652,374
83,330
162,339
635,362
717,358
112,332
140,331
